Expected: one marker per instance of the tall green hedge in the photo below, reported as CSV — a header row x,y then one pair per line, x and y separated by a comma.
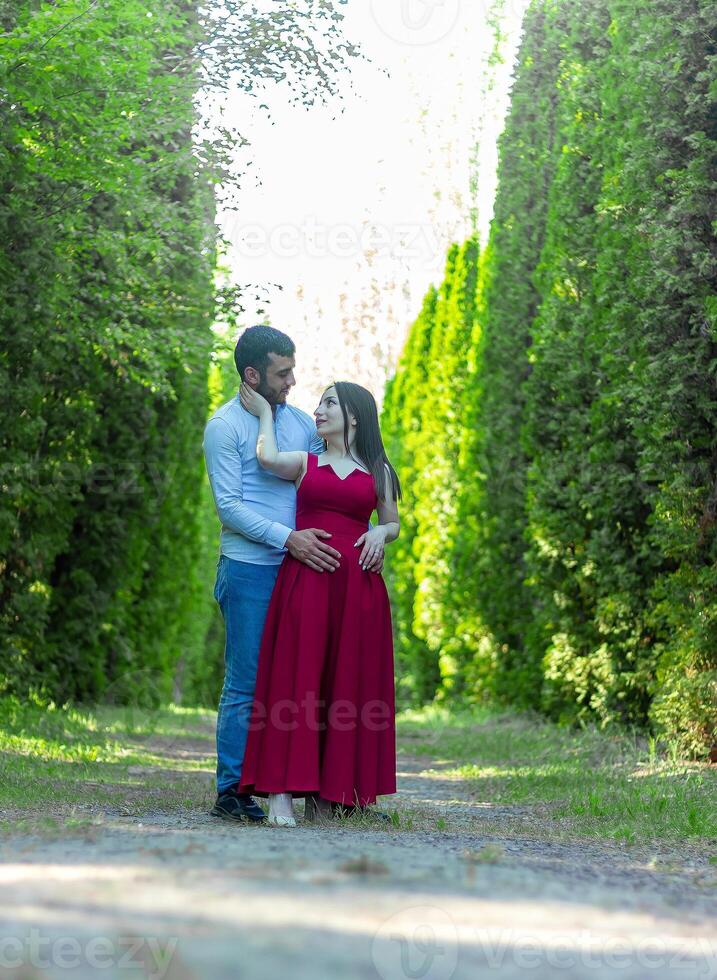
x,y
417,671
621,399
106,265
437,607
108,247
583,565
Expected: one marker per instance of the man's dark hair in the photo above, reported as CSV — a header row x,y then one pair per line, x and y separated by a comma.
x,y
255,345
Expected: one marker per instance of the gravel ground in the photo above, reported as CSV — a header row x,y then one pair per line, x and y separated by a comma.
x,y
474,889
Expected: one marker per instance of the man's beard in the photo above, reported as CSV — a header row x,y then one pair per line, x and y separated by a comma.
x,y
271,396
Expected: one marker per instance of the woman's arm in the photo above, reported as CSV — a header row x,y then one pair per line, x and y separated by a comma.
x,y
388,519
386,530
387,510
289,466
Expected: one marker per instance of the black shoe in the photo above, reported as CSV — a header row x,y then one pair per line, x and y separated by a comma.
x,y
241,807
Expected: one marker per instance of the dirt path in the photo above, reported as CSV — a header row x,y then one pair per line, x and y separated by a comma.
x,y
461,888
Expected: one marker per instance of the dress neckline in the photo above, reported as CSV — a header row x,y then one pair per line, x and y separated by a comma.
x,y
329,466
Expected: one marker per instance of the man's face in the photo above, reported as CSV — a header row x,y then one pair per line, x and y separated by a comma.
x,y
278,379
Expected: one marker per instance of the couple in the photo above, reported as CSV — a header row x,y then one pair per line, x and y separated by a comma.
x,y
307,708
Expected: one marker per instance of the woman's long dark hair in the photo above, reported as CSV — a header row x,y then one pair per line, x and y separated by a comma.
x,y
369,445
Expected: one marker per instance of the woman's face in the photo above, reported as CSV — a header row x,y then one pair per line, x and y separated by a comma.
x,y
328,415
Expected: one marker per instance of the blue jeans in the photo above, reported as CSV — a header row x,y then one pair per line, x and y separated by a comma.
x,y
243,591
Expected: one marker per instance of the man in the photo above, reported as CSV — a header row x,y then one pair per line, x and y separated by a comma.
x,y
257,511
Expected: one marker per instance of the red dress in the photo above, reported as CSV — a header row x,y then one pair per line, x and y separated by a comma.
x,y
323,716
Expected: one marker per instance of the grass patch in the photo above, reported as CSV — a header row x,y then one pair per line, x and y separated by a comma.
x,y
59,763
597,784
100,754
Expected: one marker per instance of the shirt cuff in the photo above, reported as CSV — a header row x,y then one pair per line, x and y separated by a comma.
x,y
277,534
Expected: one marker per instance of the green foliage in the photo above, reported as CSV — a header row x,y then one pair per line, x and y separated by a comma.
x,y
580,549
436,607
490,549
621,400
107,259
107,262
402,420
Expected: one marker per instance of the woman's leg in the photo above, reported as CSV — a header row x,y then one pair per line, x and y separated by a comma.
x,y
281,805
281,810
317,808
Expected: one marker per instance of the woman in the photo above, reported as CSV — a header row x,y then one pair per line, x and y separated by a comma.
x,y
323,717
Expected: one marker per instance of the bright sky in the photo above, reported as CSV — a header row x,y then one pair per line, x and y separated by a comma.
x,y
355,210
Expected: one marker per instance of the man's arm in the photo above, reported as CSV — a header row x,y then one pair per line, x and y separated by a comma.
x,y
316,443
224,467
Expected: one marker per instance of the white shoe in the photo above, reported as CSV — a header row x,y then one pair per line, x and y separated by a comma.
x,y
279,821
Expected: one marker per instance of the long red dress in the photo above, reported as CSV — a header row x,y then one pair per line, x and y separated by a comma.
x,y
323,716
